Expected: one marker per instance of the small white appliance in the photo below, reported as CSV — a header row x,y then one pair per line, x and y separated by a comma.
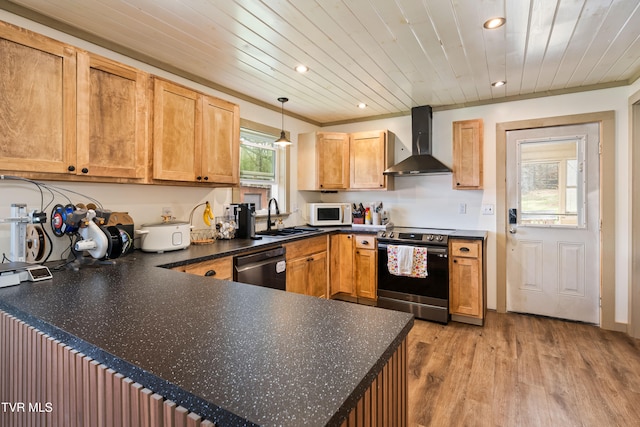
x,y
321,214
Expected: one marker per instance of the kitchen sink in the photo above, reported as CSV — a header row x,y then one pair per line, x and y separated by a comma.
x,y
289,231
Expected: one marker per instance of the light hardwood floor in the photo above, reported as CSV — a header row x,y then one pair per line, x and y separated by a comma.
x,y
522,370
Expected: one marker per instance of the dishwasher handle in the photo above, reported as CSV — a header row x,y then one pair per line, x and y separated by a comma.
x,y
279,262
259,257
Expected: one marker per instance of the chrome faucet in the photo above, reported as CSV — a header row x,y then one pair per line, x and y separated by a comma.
x,y
269,224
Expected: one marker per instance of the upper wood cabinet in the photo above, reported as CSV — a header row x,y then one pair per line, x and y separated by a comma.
x,y
340,161
467,154
37,103
323,161
368,159
221,141
112,119
195,137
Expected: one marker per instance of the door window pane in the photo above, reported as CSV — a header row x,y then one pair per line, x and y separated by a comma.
x,y
551,182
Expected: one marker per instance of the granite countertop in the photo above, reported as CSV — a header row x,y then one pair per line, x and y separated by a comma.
x,y
233,353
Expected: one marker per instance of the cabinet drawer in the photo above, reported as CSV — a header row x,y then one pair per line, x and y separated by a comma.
x,y
465,248
220,268
306,247
365,241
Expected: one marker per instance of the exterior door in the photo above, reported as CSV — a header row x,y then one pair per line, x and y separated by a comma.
x,y
553,244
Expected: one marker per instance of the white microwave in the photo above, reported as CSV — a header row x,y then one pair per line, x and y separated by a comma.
x,y
329,214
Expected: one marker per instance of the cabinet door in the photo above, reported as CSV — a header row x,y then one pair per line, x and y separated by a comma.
x,y
364,274
332,155
467,154
221,141
177,132
317,275
341,268
368,160
297,275
38,103
112,118
465,289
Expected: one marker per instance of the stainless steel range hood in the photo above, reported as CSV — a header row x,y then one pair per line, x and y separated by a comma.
x,y
421,162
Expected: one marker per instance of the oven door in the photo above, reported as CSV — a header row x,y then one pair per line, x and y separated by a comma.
x,y
427,298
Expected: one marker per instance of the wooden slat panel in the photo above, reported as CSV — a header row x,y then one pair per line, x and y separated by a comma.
x,y
156,409
101,397
108,396
68,385
145,407
80,390
118,409
181,416
126,402
169,409
136,397
83,392
193,420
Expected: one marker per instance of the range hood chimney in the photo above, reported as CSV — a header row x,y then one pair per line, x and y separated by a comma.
x,y
421,162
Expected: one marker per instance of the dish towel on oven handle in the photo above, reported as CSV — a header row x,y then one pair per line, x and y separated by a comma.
x,y
410,261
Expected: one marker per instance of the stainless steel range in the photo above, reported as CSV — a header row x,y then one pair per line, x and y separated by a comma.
x,y
426,296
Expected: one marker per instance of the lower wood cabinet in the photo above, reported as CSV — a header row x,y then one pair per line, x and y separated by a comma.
x,y
353,272
219,268
308,267
467,284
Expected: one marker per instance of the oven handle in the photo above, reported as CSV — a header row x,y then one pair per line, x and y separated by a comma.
x,y
430,249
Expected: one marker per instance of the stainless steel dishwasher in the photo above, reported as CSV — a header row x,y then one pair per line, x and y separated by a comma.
x,y
265,268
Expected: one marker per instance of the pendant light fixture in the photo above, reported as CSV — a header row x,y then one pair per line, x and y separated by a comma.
x,y
283,141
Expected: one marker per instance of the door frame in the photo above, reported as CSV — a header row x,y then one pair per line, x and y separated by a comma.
x,y
634,282
606,119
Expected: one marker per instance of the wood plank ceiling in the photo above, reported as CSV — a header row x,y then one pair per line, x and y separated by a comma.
x,y
390,54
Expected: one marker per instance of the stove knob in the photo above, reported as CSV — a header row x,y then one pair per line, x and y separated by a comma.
x,y
391,234
439,237
383,234
430,237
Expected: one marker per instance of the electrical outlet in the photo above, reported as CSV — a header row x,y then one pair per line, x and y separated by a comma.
x,y
462,208
487,209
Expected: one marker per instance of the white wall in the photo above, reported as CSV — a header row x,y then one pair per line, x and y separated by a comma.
x,y
417,201
430,201
143,202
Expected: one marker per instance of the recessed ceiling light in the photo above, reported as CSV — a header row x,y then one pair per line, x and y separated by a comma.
x,y
362,105
499,83
302,68
494,23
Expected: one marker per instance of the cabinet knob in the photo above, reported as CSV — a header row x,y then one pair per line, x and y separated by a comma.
x,y
210,273
464,249
457,183
199,178
206,178
85,170
455,261
321,185
309,259
365,242
71,168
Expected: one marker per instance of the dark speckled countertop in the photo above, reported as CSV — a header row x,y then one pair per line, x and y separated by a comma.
x,y
233,353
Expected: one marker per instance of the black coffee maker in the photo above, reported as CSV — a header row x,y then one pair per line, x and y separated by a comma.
x,y
246,215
